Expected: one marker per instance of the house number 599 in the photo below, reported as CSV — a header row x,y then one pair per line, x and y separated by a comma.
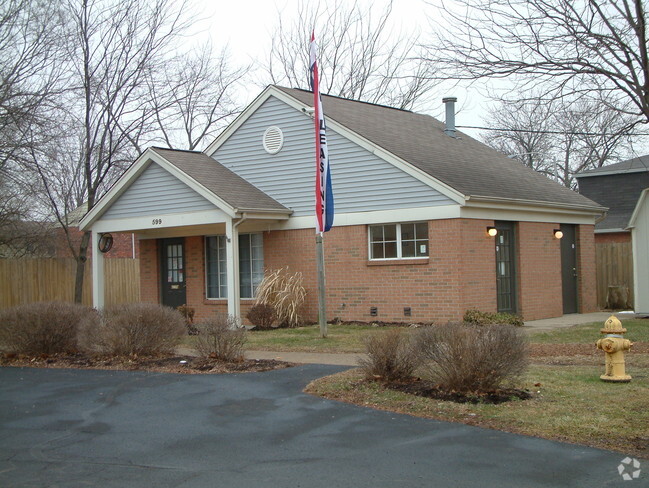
x,y
156,222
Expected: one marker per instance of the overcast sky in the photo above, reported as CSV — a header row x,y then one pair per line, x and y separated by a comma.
x,y
246,26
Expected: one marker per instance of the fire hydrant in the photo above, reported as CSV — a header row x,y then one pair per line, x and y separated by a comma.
x,y
614,344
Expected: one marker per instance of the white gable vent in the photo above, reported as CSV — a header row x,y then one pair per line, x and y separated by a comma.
x,y
273,140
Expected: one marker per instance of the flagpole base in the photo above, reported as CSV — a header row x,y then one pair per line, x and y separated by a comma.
x,y
322,312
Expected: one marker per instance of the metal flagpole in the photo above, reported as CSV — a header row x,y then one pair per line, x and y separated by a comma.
x,y
322,305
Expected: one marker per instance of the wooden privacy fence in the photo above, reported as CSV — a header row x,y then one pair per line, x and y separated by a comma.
x,y
48,279
614,269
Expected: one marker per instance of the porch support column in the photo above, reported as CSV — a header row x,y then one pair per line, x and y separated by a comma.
x,y
97,272
232,266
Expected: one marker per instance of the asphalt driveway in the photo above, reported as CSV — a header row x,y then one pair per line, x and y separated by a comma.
x,y
77,428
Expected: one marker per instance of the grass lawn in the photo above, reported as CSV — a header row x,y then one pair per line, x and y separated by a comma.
x,y
340,338
570,404
343,338
637,331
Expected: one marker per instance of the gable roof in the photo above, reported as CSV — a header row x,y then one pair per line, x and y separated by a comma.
x,y
216,183
232,188
463,163
634,165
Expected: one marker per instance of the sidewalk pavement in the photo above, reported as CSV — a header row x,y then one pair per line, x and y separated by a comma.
x,y
351,359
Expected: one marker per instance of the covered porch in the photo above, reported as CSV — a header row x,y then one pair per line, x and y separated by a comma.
x,y
161,200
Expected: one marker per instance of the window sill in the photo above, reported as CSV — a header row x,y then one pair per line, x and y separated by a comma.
x,y
398,262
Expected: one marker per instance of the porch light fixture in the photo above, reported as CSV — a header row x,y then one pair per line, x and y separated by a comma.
x,y
558,234
105,243
492,231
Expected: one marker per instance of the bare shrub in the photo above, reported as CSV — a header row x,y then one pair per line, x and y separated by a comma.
x,y
41,328
261,315
133,329
220,338
469,358
389,356
285,293
477,317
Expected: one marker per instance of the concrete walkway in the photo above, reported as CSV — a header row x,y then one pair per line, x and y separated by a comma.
x,y
574,319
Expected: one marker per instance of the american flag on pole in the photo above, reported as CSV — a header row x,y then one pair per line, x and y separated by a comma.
x,y
324,198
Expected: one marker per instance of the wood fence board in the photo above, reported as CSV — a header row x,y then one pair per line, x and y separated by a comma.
x,y
49,279
614,268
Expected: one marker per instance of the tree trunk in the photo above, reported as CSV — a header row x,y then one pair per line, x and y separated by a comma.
x,y
81,267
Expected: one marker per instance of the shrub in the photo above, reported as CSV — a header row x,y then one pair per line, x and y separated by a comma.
x,y
41,328
261,315
489,318
285,293
188,313
389,356
220,338
469,358
133,329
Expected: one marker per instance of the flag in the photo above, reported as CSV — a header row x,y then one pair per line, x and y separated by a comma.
x,y
324,198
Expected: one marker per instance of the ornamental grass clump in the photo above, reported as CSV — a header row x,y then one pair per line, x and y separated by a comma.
x,y
42,328
133,329
471,359
389,356
285,293
220,338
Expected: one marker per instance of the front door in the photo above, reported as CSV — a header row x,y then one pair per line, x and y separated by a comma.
x,y
569,268
173,272
506,267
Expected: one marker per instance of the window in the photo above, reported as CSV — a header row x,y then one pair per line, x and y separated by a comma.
x,y
398,241
251,265
216,275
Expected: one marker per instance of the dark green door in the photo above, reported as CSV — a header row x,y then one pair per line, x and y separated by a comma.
x,y
506,267
569,268
173,272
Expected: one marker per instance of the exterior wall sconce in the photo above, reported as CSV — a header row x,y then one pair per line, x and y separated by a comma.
x,y
558,234
492,231
105,243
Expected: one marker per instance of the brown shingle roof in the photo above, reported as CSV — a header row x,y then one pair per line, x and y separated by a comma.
x,y
218,179
463,163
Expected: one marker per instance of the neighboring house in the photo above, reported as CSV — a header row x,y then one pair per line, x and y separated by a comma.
x,y
414,200
622,188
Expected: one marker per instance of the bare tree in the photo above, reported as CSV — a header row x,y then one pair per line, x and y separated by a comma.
x,y
359,56
590,49
559,139
194,97
106,112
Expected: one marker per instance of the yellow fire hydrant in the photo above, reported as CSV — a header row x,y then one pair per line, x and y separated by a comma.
x,y
614,344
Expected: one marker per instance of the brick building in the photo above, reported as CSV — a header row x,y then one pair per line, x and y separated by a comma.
x,y
416,202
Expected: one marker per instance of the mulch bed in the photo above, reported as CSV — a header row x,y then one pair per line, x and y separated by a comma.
x,y
573,349
162,364
428,389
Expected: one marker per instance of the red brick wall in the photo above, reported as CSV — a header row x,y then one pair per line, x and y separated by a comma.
x,y
122,244
587,280
458,275
539,271
149,271
613,238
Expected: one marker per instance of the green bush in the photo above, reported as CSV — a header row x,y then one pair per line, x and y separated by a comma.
x,y
42,328
133,329
469,358
220,338
477,317
389,356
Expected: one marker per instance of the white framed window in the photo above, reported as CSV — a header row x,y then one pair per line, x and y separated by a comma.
x,y
251,265
398,241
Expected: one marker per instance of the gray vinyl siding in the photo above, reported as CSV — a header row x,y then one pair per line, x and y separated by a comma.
x,y
156,192
361,181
